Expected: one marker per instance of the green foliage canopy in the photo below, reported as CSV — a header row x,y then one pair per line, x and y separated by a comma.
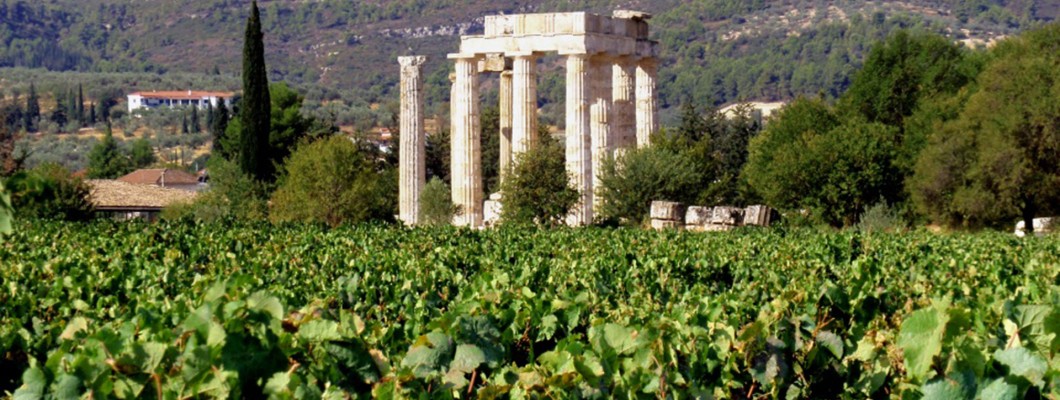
x,y
331,181
538,191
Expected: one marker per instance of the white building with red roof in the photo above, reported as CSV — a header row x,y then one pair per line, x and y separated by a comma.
x,y
188,98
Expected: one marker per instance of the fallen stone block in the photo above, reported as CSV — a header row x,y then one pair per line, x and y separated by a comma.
x,y
665,224
698,215
731,216
757,215
667,210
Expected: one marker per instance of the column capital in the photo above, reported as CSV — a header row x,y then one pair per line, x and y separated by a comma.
x,y
412,61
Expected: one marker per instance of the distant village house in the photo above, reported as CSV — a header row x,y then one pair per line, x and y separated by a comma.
x,y
124,201
171,99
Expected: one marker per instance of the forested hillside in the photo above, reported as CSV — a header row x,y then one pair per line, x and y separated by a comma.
x,y
715,51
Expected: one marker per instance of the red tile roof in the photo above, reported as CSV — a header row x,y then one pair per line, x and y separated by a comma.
x,y
182,94
158,176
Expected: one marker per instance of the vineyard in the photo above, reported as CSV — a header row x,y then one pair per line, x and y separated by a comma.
x,y
180,311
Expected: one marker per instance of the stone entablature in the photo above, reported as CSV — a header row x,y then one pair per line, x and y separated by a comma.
x,y
626,33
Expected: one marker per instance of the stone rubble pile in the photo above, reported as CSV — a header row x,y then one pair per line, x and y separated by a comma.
x,y
672,215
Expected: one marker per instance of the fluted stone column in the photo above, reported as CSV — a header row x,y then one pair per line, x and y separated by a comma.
x,y
578,137
465,146
506,123
600,114
624,127
647,101
524,103
412,153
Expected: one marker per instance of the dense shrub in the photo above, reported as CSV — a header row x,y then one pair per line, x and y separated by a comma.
x,y
49,191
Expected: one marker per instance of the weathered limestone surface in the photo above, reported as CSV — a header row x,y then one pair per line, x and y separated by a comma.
x,y
412,153
465,145
757,215
667,215
647,101
624,114
524,103
506,124
491,211
667,210
698,215
579,140
600,114
731,216
663,224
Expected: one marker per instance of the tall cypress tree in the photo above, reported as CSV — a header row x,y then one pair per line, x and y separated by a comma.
x,y
32,114
218,128
194,121
81,117
255,112
209,117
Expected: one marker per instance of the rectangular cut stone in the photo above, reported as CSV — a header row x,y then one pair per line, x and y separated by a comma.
x,y
731,216
708,228
667,210
663,224
757,215
698,215
491,212
493,63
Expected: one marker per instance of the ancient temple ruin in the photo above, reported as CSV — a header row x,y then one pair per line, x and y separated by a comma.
x,y
611,101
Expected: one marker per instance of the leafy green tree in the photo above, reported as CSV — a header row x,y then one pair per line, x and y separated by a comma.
x,y
106,160
232,195
1000,159
288,124
49,191
631,181
437,157
538,191
330,181
256,108
778,167
852,169
902,70
728,154
141,154
436,204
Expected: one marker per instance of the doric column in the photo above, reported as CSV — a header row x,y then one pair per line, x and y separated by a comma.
x,y
506,123
647,101
465,146
524,102
578,137
600,114
624,128
412,153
